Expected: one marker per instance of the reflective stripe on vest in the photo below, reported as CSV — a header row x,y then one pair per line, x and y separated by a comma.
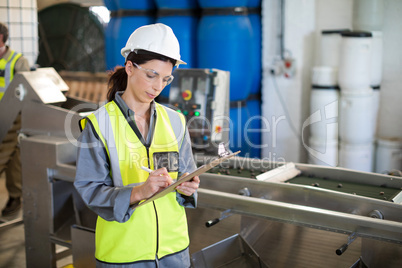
x,y
7,70
158,228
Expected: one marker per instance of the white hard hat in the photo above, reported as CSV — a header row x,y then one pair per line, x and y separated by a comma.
x,y
158,38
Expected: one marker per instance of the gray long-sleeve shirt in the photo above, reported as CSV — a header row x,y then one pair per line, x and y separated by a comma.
x,y
93,180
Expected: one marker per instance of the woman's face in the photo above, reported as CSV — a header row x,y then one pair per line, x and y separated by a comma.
x,y
147,81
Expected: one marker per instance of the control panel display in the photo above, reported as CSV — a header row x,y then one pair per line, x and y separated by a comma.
x,y
202,95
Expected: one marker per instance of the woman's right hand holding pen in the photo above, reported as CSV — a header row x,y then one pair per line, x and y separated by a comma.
x,y
157,181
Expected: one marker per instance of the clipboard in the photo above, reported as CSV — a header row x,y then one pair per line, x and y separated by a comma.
x,y
202,169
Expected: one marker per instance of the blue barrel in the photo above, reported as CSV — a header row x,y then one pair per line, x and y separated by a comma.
x,y
110,4
254,3
238,118
109,32
184,25
253,128
124,27
135,4
222,3
245,128
256,69
225,42
185,4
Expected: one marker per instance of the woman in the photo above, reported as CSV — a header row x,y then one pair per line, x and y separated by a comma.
x,y
129,132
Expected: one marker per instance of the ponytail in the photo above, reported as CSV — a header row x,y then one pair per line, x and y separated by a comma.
x,y
117,82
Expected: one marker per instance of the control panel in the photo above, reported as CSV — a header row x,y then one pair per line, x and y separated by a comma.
x,y
202,95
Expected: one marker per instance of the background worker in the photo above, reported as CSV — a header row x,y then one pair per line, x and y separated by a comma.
x,y
129,132
11,62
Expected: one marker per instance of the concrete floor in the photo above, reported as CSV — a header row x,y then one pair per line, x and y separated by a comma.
x,y
12,245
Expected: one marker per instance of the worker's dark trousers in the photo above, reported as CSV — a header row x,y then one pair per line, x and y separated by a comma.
x,y
10,160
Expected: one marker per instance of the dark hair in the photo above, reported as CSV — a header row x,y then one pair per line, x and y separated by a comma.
x,y
4,31
118,79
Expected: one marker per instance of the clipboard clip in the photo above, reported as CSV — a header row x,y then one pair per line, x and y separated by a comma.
x,y
222,151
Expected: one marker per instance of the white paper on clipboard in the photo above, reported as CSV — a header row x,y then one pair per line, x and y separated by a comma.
x,y
197,172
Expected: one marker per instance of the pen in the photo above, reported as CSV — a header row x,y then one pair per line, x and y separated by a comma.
x,y
146,169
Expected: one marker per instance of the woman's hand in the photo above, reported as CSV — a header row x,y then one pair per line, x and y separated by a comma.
x,y
189,187
157,181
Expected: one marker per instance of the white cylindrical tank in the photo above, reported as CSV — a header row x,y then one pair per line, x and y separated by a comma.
x,y
356,117
325,76
376,59
356,156
330,47
323,152
354,72
324,99
21,18
368,15
388,155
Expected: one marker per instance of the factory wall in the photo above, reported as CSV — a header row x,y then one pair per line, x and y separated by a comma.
x,y
284,100
303,23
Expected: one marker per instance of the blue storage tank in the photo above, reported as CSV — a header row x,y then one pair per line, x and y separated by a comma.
x,y
185,4
222,3
253,128
225,42
254,3
256,68
124,27
135,4
184,25
245,128
109,31
128,16
238,117
110,4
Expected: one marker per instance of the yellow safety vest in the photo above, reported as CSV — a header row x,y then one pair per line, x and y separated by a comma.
x,y
156,229
7,70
